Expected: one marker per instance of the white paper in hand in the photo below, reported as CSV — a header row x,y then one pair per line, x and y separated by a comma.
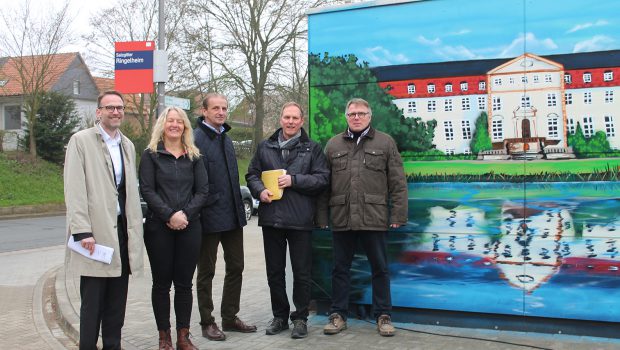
x,y
102,253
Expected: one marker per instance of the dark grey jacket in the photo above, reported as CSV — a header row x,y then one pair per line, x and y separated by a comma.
x,y
368,184
224,208
307,165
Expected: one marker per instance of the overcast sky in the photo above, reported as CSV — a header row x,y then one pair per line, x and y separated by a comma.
x,y
454,30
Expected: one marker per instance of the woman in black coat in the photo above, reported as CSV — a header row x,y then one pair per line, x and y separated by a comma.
x,y
174,184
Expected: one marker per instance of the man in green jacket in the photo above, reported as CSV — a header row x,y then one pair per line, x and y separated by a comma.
x,y
368,195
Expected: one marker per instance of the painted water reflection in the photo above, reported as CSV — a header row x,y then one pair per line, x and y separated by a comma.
x,y
548,250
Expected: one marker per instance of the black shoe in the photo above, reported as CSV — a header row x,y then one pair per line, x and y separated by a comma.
x,y
300,329
276,326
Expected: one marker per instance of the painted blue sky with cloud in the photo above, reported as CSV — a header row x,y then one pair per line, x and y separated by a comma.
x,y
455,30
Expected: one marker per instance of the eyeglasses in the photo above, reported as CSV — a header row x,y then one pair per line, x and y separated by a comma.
x,y
357,114
112,108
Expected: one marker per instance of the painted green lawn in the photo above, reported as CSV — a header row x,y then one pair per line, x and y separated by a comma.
x,y
477,167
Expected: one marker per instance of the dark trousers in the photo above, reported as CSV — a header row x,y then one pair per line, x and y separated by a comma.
x,y
300,250
232,245
173,256
374,244
103,303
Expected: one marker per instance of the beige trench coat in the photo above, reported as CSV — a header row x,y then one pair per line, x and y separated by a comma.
x,y
91,198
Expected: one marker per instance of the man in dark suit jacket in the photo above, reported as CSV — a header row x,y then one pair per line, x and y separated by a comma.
x,y
223,218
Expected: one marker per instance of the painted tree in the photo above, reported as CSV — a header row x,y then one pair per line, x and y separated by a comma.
x,y
335,80
481,141
31,41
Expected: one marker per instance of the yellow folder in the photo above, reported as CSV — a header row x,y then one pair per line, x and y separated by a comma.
x,y
270,180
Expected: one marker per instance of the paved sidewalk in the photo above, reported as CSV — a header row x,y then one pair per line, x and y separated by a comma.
x,y
140,331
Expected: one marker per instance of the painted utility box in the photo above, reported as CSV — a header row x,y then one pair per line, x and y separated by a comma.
x,y
507,115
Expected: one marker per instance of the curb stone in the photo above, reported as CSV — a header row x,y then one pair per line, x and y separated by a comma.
x,y
29,211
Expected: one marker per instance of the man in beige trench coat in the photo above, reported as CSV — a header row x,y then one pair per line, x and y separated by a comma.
x,y
103,207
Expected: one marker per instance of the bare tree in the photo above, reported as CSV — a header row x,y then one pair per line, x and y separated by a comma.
x,y
250,40
137,20
31,42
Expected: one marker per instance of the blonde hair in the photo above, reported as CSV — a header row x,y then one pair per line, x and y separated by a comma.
x,y
188,136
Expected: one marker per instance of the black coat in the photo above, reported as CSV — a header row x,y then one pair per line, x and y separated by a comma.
x,y
307,165
169,184
224,208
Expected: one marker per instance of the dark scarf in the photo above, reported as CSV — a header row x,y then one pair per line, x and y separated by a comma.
x,y
287,145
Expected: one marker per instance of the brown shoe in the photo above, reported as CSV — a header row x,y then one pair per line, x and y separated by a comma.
x,y
384,326
238,326
183,342
165,341
335,325
212,332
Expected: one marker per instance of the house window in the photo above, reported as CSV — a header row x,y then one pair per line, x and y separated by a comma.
x,y
466,128
482,85
588,128
536,80
463,86
431,106
568,79
430,88
467,150
551,100
610,131
12,117
524,79
465,103
511,80
497,81
587,98
547,78
497,103
570,122
411,88
411,107
609,96
525,101
448,130
448,87
587,77
76,87
608,75
568,98
482,102
497,129
449,151
552,126
447,106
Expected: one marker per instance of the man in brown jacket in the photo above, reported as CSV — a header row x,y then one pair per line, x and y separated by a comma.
x,y
368,195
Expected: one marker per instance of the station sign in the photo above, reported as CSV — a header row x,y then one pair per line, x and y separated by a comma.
x,y
133,67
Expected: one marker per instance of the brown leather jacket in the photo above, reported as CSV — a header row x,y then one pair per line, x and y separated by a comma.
x,y
368,185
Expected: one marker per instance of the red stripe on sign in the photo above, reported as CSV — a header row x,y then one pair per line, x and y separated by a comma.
x,y
134,81
134,46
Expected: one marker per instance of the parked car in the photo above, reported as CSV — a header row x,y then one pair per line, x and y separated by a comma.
x,y
249,203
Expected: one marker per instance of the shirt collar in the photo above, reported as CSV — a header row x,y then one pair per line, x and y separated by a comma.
x,y
106,137
213,128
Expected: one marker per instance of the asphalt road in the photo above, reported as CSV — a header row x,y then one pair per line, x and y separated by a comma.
x,y
20,234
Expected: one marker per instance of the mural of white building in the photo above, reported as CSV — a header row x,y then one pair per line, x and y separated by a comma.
x,y
532,102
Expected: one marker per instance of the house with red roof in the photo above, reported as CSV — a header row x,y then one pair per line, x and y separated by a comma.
x,y
67,74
